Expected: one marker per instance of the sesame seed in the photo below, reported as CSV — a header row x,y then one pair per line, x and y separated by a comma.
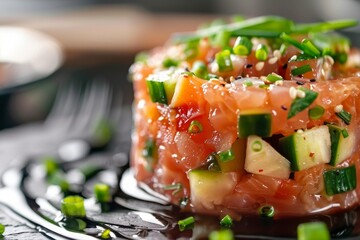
x,y
300,131
313,80
228,85
300,93
238,77
277,53
221,79
279,82
284,66
283,107
292,92
214,67
232,79
259,66
273,60
299,83
338,108
248,65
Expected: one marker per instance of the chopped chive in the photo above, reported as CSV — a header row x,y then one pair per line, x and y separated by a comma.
x,y
105,234
73,206
226,156
195,127
261,52
222,39
223,59
344,133
142,57
341,57
301,70
191,49
186,223
176,187
226,221
248,83
313,231
169,62
316,112
310,48
102,192
242,46
2,229
73,224
256,146
273,77
223,234
345,116
59,179
199,69
267,211
300,104
51,165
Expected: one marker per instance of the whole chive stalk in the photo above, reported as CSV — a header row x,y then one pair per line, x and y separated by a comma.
x,y
242,46
226,156
186,223
223,60
301,70
226,222
199,69
261,52
323,26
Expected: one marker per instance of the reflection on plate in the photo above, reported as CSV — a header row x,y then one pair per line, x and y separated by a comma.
x,y
25,56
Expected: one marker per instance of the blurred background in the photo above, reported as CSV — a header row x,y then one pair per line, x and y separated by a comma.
x,y
99,38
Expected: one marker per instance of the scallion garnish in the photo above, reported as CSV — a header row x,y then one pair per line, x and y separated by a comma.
x,y
51,165
102,192
223,234
226,221
226,156
267,211
73,206
223,60
256,146
141,57
300,104
222,39
313,231
316,112
186,223
105,234
345,116
301,70
344,133
58,178
2,229
248,83
199,69
176,187
273,77
306,46
261,52
169,62
242,46
341,57
195,127
191,49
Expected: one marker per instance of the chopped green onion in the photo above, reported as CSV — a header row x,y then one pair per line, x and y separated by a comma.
x,y
2,229
199,69
59,179
222,39
323,26
316,112
248,83
156,91
105,234
224,234
176,187
73,206
142,57
261,52
195,127
301,70
313,231
341,57
345,116
226,156
51,165
73,224
310,48
191,49
186,223
169,62
242,46
300,104
223,59
273,77
256,146
226,221
339,180
102,192
344,133
267,211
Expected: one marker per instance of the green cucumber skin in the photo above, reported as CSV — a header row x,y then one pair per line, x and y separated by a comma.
x,y
340,180
157,91
254,124
289,152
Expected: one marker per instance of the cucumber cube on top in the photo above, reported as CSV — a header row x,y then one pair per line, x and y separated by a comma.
x,y
254,122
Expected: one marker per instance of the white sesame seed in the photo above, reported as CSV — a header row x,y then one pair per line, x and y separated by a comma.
x,y
259,66
227,85
221,79
293,58
214,67
300,93
232,79
277,54
273,60
338,108
300,131
279,82
292,92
